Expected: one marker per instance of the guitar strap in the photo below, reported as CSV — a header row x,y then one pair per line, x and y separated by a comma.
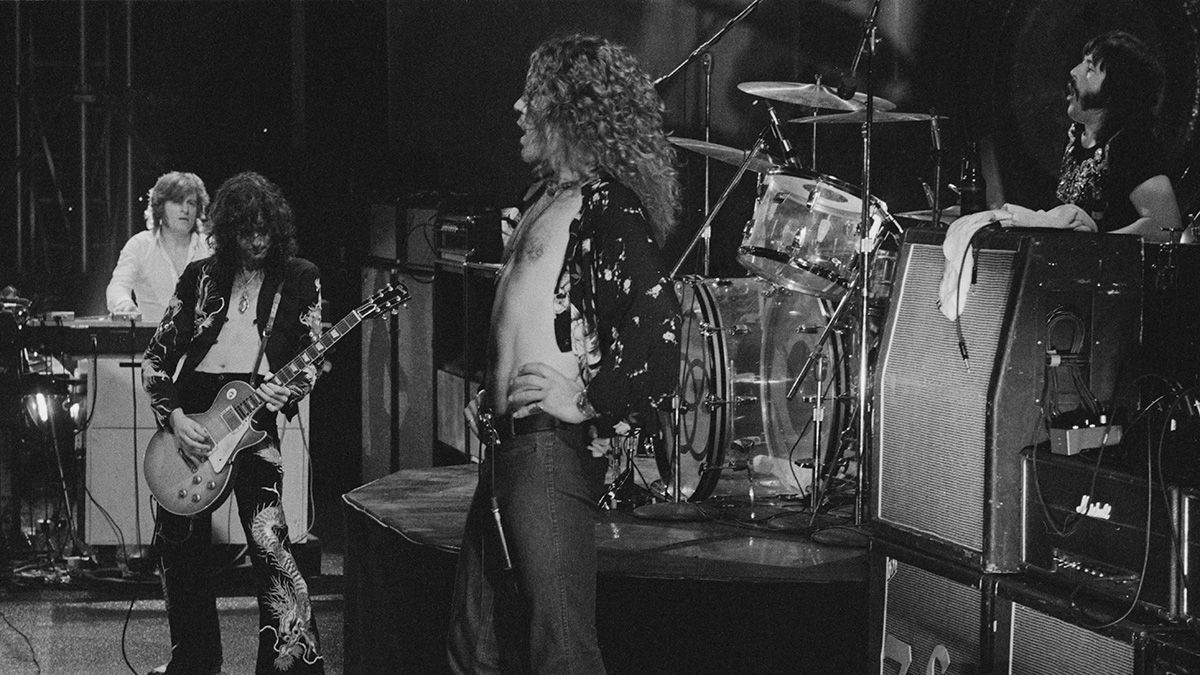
x,y
262,343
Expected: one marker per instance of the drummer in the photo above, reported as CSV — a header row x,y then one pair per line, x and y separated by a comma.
x,y
1112,176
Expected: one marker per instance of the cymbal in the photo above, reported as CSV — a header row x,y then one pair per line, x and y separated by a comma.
x,y
950,212
812,95
762,163
860,116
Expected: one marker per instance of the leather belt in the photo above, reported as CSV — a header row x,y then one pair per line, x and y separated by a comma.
x,y
508,427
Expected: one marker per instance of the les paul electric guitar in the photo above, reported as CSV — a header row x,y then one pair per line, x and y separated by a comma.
x,y
187,487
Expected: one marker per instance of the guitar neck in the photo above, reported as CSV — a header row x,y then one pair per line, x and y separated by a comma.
x,y
292,370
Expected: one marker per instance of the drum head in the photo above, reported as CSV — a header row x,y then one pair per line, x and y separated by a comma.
x,y
805,232
744,342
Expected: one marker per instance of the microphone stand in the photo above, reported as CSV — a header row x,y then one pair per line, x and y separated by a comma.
x,y
710,41
864,267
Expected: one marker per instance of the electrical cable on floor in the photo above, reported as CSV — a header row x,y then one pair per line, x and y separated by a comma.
x,y
28,642
125,630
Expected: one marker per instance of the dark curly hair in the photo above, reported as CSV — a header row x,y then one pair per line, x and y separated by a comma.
x,y
598,111
245,204
174,186
1132,91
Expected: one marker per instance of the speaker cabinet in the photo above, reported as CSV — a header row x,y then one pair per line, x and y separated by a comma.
x,y
946,471
1043,630
403,232
1174,652
929,615
400,421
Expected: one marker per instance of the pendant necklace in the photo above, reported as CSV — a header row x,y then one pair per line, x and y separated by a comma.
x,y
247,281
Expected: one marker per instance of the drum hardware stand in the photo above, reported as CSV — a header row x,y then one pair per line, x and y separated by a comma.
x,y
816,355
818,418
707,224
678,509
815,113
703,49
853,535
936,137
707,62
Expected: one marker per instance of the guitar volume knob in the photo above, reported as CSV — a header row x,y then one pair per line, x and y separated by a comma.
x,y
182,494
196,480
195,498
212,485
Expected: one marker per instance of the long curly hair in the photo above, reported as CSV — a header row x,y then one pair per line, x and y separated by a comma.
x,y
174,186
598,110
245,204
1132,91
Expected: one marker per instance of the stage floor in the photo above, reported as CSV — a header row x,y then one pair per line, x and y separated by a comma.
x,y
723,593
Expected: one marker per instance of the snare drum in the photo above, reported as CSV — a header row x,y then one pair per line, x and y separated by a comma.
x,y
744,341
804,233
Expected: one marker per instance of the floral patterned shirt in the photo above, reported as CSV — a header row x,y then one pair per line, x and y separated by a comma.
x,y
196,313
615,309
1100,179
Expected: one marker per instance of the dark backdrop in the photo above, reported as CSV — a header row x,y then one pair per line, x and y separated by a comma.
x,y
356,102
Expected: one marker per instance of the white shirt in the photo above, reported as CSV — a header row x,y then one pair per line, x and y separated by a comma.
x,y
146,270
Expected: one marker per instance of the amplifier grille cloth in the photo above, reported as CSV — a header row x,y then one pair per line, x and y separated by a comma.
x,y
932,412
924,611
1044,644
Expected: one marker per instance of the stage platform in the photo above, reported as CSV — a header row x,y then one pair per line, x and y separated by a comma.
x,y
674,597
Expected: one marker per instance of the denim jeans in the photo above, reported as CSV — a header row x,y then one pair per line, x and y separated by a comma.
x,y
541,616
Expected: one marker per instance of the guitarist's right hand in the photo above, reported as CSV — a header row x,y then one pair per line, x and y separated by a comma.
x,y
190,435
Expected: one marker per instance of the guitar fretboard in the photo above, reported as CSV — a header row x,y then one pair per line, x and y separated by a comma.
x,y
238,413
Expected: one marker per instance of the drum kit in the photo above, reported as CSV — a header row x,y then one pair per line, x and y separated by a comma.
x,y
767,362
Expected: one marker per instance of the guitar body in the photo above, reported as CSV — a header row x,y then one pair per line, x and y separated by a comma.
x,y
185,487
178,483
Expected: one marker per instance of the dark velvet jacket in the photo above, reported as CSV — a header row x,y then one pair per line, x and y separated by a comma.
x,y
196,313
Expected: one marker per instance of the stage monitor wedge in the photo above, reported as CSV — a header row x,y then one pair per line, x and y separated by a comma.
x,y
946,468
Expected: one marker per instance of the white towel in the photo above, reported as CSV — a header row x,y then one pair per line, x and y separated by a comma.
x,y
952,295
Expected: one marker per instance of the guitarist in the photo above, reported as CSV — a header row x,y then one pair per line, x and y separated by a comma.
x,y
252,287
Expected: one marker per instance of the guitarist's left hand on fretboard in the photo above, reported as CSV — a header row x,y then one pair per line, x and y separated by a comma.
x,y
274,395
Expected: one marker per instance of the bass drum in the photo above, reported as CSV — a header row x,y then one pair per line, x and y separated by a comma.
x,y
743,343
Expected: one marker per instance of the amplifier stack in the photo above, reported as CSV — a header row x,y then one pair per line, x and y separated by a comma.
x,y
998,548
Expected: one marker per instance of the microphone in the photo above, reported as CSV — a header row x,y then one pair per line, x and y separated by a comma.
x,y
849,84
789,156
934,133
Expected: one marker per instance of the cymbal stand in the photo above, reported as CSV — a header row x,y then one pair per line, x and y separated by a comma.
x,y
707,62
813,132
707,224
936,137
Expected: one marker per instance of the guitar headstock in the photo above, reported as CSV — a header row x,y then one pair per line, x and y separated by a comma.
x,y
384,300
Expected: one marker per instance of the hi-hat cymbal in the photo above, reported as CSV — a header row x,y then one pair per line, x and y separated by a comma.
x,y
860,116
812,95
762,163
